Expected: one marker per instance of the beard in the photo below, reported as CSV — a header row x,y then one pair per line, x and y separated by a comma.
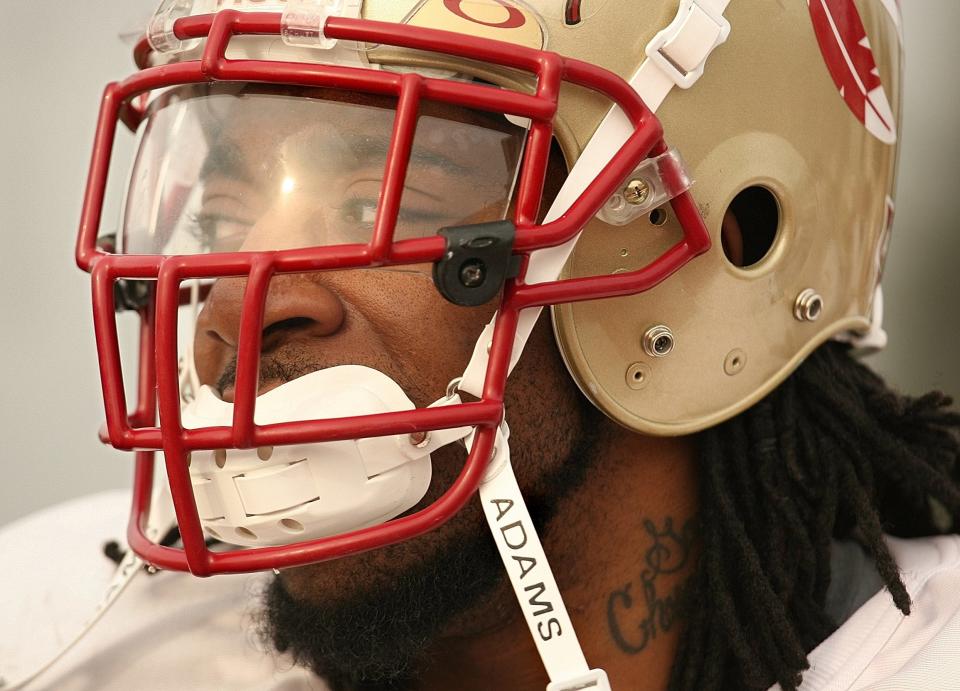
x,y
379,640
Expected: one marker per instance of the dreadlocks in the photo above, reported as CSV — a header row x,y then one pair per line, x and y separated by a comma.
x,y
832,453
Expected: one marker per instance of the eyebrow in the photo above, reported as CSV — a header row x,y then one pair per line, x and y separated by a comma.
x,y
227,159
437,160
375,148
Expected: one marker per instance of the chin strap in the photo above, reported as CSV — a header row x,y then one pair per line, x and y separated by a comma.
x,y
161,521
531,576
675,57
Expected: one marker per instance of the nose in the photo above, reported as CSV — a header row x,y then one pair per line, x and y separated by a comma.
x,y
297,306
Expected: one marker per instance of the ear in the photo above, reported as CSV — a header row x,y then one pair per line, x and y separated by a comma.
x,y
731,237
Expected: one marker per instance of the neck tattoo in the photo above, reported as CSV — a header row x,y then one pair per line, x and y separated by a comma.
x,y
640,610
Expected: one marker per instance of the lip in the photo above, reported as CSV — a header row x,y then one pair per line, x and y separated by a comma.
x,y
228,394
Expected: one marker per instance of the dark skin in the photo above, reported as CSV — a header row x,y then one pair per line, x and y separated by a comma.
x,y
620,545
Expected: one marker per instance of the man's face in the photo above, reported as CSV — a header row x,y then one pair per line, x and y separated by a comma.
x,y
278,179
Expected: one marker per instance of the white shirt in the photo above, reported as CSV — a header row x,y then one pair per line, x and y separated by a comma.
x,y
180,633
880,649
169,631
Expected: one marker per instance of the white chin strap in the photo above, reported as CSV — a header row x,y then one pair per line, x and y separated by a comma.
x,y
675,57
531,577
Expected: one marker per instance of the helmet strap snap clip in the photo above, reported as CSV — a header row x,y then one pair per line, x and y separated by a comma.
x,y
477,262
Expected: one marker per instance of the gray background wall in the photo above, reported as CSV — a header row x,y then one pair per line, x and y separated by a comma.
x,y
53,65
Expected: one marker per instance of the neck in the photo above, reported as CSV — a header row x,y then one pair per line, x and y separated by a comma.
x,y
622,551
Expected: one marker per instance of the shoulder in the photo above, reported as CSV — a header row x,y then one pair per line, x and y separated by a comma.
x,y
165,631
878,647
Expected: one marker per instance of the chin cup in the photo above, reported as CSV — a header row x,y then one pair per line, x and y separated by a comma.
x,y
272,496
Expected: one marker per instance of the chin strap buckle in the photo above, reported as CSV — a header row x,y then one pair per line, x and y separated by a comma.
x,y
594,680
681,50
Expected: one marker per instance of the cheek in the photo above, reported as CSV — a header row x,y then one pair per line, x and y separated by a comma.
x,y
544,411
429,337
432,341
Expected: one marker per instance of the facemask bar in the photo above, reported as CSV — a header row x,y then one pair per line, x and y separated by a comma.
x,y
123,101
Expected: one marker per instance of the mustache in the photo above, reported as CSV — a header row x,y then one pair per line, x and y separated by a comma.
x,y
288,364
271,369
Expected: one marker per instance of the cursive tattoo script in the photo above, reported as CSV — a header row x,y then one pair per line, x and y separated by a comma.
x,y
637,612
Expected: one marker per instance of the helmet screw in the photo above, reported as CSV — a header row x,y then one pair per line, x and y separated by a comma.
x,y
636,192
658,341
808,306
419,439
473,273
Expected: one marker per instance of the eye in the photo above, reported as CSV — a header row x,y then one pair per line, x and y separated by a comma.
x,y
219,232
418,217
360,211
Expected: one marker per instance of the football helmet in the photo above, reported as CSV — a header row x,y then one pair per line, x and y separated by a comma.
x,y
727,209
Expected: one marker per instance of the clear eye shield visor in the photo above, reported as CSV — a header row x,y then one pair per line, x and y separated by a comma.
x,y
230,168
233,168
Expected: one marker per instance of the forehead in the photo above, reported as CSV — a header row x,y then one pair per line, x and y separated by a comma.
x,y
285,109
257,133
249,128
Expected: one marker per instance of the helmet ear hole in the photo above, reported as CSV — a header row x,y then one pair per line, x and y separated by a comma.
x,y
750,226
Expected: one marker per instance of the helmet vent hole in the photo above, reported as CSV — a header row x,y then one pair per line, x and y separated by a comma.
x,y
246,533
291,526
750,226
658,217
